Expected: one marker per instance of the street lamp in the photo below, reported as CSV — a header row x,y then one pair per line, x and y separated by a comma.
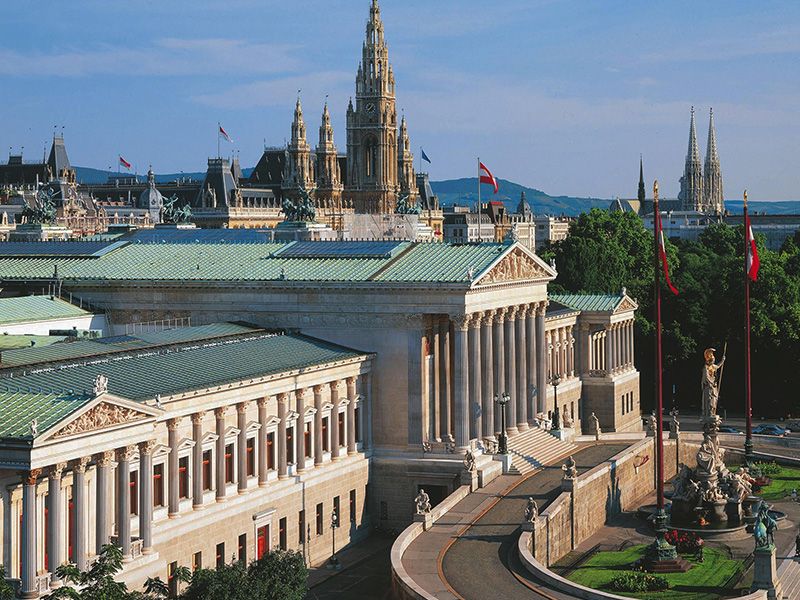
x,y
556,380
502,446
333,563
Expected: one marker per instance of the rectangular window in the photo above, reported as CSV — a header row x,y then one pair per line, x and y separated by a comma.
x,y
282,533
197,561
270,450
158,485
229,463
242,548
183,477
207,479
325,444
134,489
352,506
301,526
358,423
341,429
319,519
262,541
307,439
172,581
251,457
290,445
220,558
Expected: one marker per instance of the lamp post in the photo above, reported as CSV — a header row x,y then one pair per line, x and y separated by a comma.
x,y
556,414
333,563
502,446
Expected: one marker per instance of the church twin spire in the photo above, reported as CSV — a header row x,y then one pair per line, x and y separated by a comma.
x,y
699,192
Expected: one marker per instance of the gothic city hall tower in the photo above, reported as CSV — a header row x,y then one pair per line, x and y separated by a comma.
x,y
378,163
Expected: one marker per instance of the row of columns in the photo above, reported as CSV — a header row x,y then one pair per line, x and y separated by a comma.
x,y
611,350
104,462
492,352
561,352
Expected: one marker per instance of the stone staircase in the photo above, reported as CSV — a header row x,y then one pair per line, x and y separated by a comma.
x,y
534,448
789,575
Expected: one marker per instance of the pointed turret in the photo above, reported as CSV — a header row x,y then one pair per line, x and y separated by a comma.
x,y
298,126
329,175
151,199
712,182
691,194
642,194
298,171
406,179
523,208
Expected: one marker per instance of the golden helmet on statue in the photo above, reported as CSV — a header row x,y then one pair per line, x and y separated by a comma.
x,y
709,354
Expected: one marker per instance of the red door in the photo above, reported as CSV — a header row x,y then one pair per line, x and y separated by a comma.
x,y
262,541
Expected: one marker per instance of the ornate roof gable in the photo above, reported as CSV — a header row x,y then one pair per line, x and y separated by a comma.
x,y
625,304
103,414
517,264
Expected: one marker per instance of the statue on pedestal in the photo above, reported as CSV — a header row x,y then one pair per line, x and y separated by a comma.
x,y
594,425
570,469
469,461
710,382
674,424
422,503
532,511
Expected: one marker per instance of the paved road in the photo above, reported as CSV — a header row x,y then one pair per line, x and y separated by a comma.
x,y
477,564
367,578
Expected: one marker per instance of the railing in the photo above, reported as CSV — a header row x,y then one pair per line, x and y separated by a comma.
x,y
158,325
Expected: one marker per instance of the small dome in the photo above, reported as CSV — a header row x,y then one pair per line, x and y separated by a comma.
x,y
151,198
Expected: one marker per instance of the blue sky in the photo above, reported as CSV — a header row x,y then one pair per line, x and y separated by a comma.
x,y
561,96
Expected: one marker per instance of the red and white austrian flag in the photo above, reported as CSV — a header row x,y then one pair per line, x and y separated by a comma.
x,y
662,251
487,177
124,162
753,263
224,134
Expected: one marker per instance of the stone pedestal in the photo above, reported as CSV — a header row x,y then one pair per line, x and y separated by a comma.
x,y
565,434
470,478
39,233
527,526
301,231
506,461
426,519
567,485
765,573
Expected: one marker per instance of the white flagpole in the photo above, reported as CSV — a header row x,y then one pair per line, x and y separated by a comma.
x,y
479,202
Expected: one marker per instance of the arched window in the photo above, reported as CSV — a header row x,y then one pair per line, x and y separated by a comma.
x,y
370,157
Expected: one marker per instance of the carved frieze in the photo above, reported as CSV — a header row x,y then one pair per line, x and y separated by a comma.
x,y
516,266
99,417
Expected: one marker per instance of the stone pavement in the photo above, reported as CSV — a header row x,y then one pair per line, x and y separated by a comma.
x,y
475,537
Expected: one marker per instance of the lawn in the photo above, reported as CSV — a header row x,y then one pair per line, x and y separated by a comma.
x,y
702,582
782,484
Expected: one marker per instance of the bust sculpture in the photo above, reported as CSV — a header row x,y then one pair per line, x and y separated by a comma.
x,y
422,503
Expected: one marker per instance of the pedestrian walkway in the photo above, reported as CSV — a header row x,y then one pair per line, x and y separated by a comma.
x,y
536,447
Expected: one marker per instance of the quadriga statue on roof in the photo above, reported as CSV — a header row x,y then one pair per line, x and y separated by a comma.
x,y
301,211
43,211
170,213
404,208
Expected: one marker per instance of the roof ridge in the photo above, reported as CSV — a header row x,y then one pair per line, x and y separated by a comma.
x,y
393,260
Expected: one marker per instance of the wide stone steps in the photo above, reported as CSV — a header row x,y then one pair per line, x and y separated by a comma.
x,y
789,575
534,448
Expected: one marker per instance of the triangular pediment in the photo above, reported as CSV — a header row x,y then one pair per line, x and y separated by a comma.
x,y
627,303
105,412
516,264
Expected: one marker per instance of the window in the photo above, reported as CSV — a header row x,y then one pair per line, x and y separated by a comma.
x,y
341,429
325,444
251,457
282,533
183,477
133,485
301,525
290,445
220,558
262,541
242,548
197,561
352,506
172,581
207,479
319,519
229,463
158,485
307,439
270,450
358,423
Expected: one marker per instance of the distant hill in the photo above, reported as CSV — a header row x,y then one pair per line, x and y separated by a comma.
x,y
464,192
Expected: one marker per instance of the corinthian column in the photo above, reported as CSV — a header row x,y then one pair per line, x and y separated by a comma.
x,y
445,388
55,515
334,420
300,431
80,499
487,386
499,349
511,371
475,392
197,460
219,414
541,357
530,348
146,495
124,500
283,400
317,425
104,461
461,380
29,587
262,441
522,367
351,416
172,487
241,425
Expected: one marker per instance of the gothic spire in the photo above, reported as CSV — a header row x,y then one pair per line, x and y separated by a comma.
x,y
711,151
712,183
693,154
642,194
298,126
326,130
691,194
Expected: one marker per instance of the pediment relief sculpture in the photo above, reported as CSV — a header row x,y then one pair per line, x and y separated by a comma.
x,y
99,417
515,266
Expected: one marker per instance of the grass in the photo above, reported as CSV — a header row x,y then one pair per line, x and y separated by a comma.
x,y
703,581
782,484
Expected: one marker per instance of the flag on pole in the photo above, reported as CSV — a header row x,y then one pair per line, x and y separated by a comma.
x,y
662,251
753,263
487,177
425,156
224,134
124,162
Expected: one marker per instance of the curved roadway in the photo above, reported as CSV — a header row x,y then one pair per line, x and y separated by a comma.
x,y
482,563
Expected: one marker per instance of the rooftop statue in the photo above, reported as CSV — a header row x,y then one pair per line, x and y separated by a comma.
x,y
170,213
710,382
301,211
43,211
404,208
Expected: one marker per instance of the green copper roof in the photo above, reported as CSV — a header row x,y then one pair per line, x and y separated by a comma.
x,y
13,342
293,261
20,408
589,302
27,309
